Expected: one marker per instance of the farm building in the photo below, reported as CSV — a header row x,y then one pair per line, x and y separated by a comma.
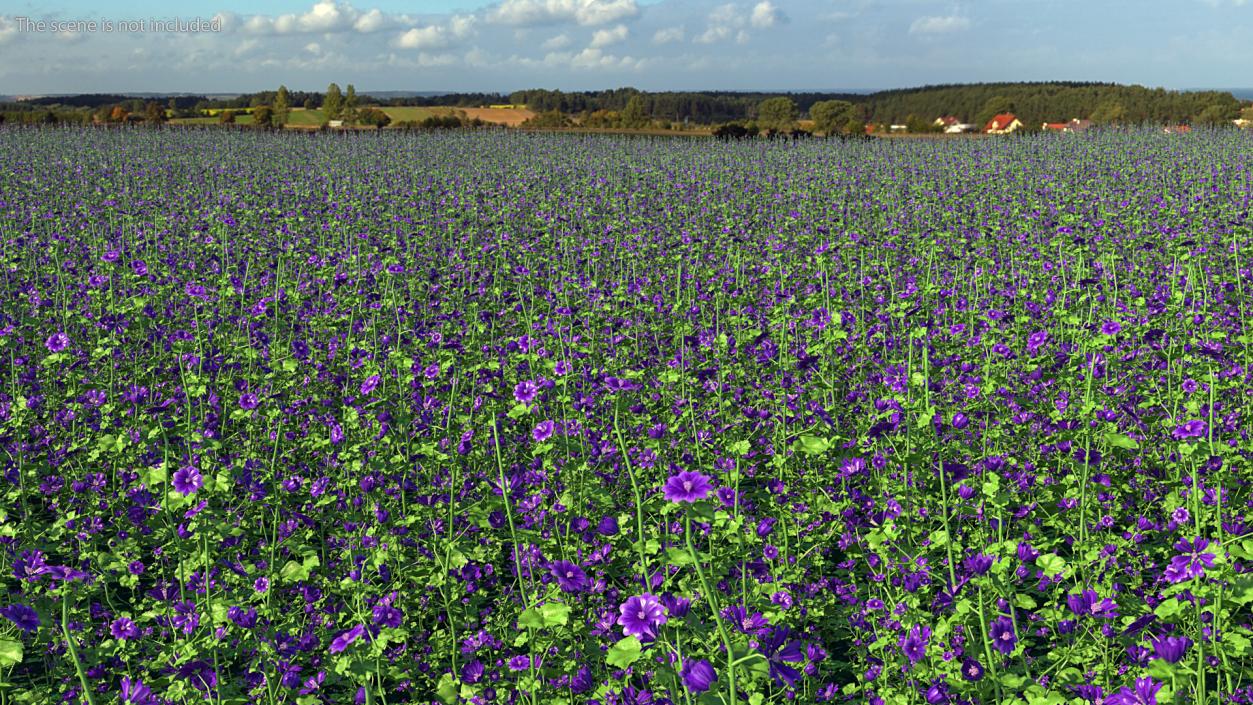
x,y
1074,125
1002,124
960,128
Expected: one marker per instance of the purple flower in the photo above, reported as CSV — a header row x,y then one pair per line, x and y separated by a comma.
x,y
519,663
245,618
57,342
472,672
337,434
779,651
1171,649
698,675
1036,340
370,384
345,639
1001,632
1088,603
1091,693
1110,328
187,480
1193,561
1145,693
1191,429
543,431
570,577
26,618
247,401
972,670
526,391
914,644
123,628
616,384
387,616
261,585
687,486
640,615
313,683
136,693
740,618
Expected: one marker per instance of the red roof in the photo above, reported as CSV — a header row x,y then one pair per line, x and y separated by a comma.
x,y
948,120
1056,125
1000,122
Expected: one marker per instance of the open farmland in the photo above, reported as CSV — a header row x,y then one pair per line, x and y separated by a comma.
x,y
552,418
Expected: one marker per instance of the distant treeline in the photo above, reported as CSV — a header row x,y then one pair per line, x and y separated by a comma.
x,y
1032,103
701,107
1036,103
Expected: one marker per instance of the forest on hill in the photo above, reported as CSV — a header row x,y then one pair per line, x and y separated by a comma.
x,y
1032,103
1036,103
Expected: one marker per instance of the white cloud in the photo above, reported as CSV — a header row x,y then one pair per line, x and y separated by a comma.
x,y
462,26
324,17
372,21
560,41
668,35
939,25
592,58
8,30
731,20
608,37
585,12
72,37
429,37
436,36
765,15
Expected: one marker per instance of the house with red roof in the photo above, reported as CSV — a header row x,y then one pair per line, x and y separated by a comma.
x,y
1002,124
1075,125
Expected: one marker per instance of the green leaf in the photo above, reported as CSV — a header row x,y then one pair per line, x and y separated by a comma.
x,y
814,445
10,652
1121,440
678,556
555,614
531,618
1168,609
549,614
447,689
1160,669
624,653
156,475
1026,602
293,572
1051,563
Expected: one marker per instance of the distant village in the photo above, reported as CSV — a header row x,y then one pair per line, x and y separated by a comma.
x,y
1005,123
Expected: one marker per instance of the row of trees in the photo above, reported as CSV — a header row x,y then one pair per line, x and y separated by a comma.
x,y
1036,103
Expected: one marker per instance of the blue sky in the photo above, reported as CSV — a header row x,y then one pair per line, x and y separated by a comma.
x,y
650,44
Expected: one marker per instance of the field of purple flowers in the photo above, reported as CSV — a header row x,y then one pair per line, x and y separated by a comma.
x,y
518,418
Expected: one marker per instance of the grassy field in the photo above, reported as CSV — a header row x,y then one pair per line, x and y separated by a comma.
x,y
302,118
239,120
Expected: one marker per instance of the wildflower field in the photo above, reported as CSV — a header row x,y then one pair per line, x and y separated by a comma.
x,y
558,419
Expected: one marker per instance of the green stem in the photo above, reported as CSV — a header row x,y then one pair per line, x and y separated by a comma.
x,y
639,502
713,604
69,643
